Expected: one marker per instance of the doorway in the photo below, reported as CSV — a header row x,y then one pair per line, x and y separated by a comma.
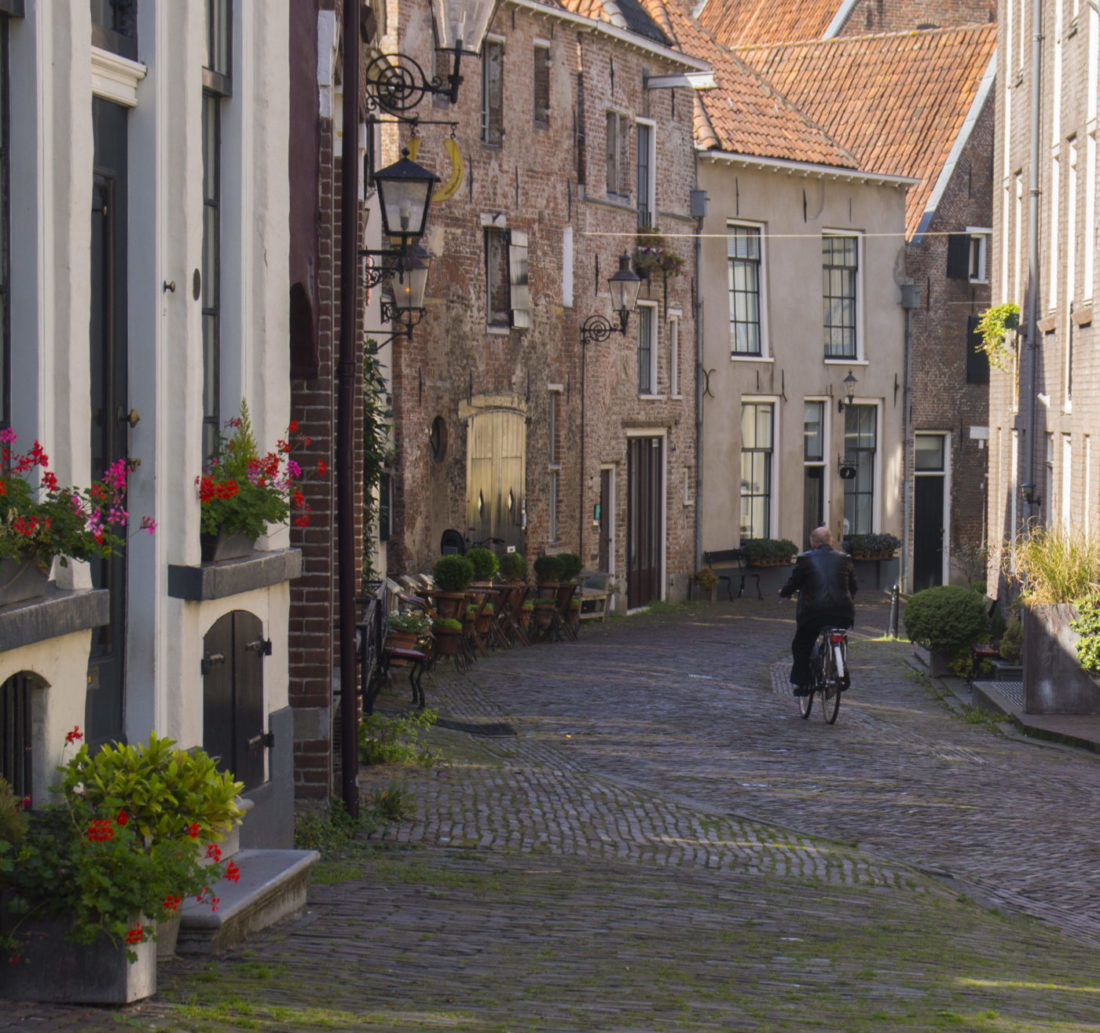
x,y
103,718
496,464
929,515
645,520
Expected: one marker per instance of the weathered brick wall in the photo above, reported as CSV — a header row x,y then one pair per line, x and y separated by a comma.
x,y
942,400
530,182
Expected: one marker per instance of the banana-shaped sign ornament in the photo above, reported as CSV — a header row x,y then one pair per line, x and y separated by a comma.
x,y
458,167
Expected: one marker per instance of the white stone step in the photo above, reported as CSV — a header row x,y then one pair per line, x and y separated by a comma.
x,y
272,886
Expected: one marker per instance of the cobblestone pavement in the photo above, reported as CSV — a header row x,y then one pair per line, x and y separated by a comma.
x,y
662,843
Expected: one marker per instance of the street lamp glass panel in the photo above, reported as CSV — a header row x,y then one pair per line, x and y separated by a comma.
x,y
850,386
404,196
410,282
624,285
462,24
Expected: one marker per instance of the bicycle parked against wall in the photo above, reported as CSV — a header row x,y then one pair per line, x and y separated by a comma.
x,y
829,666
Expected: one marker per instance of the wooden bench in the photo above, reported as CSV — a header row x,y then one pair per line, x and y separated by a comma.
x,y
595,595
732,558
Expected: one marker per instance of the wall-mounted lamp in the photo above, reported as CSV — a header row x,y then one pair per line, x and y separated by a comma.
x,y
395,82
1031,496
624,287
404,199
404,305
849,398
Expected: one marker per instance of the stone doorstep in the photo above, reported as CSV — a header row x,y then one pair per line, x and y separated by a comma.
x,y
272,887
1001,697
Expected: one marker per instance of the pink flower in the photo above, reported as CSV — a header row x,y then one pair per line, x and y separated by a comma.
x,y
148,524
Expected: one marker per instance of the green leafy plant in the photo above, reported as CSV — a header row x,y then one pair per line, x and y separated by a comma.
x,y
1087,626
769,550
52,520
411,622
453,573
513,566
241,492
376,451
947,619
1052,565
446,624
547,569
1012,641
872,544
570,566
706,579
653,253
994,326
485,563
385,739
125,844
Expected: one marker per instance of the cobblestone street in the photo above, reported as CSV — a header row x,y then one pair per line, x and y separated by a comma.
x,y
637,832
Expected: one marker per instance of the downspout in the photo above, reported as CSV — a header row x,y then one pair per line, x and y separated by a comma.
x,y
699,210
345,420
910,299
1030,495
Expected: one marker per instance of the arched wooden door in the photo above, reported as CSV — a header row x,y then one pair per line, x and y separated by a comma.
x,y
496,471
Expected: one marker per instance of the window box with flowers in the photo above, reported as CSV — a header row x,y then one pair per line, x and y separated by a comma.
x,y
135,831
46,521
241,492
653,254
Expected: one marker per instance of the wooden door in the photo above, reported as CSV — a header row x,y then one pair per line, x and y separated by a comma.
x,y
496,468
645,520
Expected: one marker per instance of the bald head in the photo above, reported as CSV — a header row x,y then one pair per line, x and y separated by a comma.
x,y
820,536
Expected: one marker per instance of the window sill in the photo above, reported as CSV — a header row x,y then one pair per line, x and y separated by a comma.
x,y
651,398
847,362
234,577
499,331
52,615
741,357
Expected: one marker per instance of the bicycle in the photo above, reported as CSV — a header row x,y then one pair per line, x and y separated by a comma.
x,y
831,676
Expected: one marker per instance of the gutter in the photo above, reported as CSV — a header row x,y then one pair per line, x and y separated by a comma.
x,y
1030,497
840,172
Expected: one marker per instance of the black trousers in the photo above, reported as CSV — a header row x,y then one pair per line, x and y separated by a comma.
x,y
802,645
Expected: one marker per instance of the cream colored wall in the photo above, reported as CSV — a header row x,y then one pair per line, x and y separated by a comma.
x,y
794,209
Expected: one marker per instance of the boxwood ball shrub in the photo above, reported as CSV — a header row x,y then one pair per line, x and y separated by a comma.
x,y
947,619
548,569
569,566
513,566
453,573
485,563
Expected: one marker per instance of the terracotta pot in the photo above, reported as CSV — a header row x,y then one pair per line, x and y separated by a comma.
x,y
446,642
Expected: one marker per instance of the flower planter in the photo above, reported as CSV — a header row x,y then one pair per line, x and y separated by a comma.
x,y
446,641
51,968
1054,680
450,604
22,578
217,548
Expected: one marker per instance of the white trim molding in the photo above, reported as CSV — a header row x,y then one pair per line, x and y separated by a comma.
x,y
116,78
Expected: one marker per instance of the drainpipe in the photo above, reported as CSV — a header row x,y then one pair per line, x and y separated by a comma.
x,y
1031,497
699,210
910,300
345,416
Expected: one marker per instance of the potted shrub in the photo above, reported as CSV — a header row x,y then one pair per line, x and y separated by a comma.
x,y
871,546
453,574
485,563
135,832
707,580
48,521
241,492
946,621
570,566
513,566
446,636
768,552
547,570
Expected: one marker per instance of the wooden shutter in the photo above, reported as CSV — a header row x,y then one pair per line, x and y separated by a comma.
x,y
518,288
542,84
977,362
612,153
958,256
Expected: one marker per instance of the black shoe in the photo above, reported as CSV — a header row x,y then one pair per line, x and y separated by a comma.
x,y
802,690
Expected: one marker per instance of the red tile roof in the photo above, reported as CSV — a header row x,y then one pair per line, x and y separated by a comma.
x,y
897,102
731,22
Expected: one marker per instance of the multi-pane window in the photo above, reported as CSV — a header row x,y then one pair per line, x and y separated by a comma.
x,y
5,234
743,266
492,92
555,464
114,26
645,165
968,256
217,85
647,348
674,356
542,83
813,432
840,268
757,445
860,447
618,154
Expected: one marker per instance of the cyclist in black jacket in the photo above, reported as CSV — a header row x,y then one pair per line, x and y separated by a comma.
x,y
825,581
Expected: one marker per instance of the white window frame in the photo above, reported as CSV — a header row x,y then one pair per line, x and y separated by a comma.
x,y
876,481
944,471
650,202
617,152
651,307
978,258
861,263
774,471
761,292
554,463
674,316
1065,503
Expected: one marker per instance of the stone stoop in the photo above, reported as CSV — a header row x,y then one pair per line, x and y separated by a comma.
x,y
1000,697
272,887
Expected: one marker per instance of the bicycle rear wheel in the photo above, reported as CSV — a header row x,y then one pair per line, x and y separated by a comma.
x,y
806,704
830,691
